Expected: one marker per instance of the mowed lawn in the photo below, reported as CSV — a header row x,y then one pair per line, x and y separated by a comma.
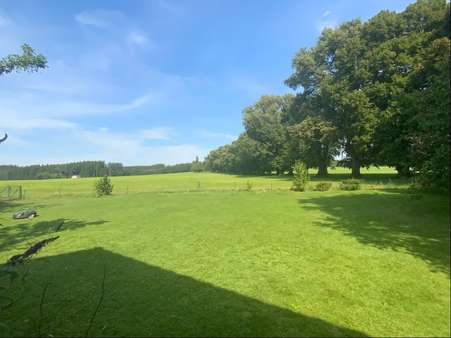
x,y
220,261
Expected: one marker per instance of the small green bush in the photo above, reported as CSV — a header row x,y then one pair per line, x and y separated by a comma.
x,y
248,186
103,186
350,184
300,176
322,186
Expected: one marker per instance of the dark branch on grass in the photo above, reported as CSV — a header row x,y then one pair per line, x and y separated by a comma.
x,y
102,292
30,251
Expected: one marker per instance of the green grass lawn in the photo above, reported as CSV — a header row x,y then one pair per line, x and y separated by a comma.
x,y
373,178
217,261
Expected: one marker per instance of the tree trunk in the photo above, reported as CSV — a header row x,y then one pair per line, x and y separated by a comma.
x,y
355,168
322,169
403,171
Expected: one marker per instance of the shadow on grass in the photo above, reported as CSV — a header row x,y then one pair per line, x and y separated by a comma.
x,y
416,224
13,206
23,233
144,300
391,178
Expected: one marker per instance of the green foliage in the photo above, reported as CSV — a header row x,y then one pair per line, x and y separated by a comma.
x,y
197,166
300,176
242,156
249,186
103,186
376,91
83,169
350,184
27,61
314,141
322,186
92,169
265,124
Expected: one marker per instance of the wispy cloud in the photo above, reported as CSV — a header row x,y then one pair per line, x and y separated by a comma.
x,y
158,133
4,21
33,113
138,38
100,18
327,13
328,22
216,135
11,122
131,149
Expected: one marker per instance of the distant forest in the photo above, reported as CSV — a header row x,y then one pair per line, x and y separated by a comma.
x,y
90,169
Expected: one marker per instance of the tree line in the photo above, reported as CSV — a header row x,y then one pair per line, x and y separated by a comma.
x,y
90,169
368,93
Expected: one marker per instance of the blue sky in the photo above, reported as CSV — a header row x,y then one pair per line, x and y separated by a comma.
x,y
158,81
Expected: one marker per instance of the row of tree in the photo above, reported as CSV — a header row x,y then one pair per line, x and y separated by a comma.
x,y
91,169
375,93
83,169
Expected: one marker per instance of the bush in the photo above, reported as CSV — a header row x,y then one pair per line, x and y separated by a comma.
x,y
301,177
248,186
350,184
322,186
103,186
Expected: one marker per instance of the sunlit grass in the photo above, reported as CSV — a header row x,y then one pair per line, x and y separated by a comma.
x,y
278,263
373,178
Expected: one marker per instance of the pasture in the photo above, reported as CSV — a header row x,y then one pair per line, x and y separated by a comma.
x,y
196,254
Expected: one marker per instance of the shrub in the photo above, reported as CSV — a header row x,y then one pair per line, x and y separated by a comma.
x,y
300,176
103,186
248,186
322,186
350,184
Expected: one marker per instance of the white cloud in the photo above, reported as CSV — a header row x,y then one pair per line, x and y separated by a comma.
x,y
327,13
130,148
329,23
4,21
137,38
32,112
158,133
12,122
98,18
248,84
77,144
212,134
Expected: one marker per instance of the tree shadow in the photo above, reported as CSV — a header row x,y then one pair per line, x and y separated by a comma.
x,y
143,300
22,233
418,224
369,178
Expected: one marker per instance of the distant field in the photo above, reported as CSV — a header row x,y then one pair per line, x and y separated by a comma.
x,y
373,178
219,261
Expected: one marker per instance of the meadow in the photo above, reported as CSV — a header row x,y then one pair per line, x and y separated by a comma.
x,y
203,254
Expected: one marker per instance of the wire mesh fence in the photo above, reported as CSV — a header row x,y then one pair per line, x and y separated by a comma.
x,y
12,192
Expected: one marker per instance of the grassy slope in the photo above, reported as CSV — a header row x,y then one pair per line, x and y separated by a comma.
x,y
372,262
